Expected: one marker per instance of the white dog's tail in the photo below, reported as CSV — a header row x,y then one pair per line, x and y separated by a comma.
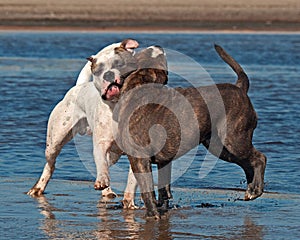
x,y
85,74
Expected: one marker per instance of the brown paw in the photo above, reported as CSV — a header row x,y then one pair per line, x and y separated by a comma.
x,y
252,193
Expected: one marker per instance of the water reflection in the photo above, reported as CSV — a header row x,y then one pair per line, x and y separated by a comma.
x,y
49,224
130,224
110,223
251,230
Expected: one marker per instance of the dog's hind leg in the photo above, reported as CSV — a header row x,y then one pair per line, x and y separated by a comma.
x,y
251,160
254,168
62,126
238,143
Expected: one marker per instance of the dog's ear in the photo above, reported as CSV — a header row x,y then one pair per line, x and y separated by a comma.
x,y
91,59
120,50
93,62
129,44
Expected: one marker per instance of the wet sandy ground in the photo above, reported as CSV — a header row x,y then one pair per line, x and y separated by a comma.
x,y
151,15
73,210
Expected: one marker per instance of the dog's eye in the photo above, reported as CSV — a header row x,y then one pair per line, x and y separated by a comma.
x,y
118,63
97,69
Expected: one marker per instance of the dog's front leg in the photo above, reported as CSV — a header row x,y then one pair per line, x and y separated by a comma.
x,y
129,193
142,170
164,180
102,165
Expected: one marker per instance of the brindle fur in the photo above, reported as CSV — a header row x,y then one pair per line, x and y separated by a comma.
x,y
234,141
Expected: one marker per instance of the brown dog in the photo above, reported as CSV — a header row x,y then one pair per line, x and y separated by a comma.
x,y
157,124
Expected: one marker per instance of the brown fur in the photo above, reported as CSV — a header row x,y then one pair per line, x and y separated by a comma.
x,y
212,114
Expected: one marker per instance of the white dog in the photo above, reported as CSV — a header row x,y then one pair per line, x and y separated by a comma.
x,y
84,109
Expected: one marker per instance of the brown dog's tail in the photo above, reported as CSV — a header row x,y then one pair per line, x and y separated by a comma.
x,y
243,80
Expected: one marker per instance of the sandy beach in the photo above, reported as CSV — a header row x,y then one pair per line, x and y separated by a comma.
x,y
142,15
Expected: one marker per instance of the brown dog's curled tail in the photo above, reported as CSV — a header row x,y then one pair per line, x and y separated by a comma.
x,y
243,80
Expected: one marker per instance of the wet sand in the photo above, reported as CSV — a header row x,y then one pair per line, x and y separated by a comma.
x,y
73,210
142,15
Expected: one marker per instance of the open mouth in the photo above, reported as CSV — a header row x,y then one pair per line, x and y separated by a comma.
x,y
112,90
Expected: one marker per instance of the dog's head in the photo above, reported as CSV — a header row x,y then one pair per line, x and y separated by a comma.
x,y
153,57
112,65
152,68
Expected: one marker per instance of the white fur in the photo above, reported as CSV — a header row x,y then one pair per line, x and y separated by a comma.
x,y
102,56
156,52
83,110
85,75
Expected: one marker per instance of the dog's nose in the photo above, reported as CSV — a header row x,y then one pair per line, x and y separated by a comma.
x,y
109,76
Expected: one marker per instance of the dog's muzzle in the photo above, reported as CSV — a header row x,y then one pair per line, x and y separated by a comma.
x,y
115,84
109,88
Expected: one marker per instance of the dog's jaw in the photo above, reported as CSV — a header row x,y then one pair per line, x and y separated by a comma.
x,y
112,92
110,64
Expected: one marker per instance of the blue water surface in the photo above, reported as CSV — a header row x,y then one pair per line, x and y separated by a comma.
x,y
37,69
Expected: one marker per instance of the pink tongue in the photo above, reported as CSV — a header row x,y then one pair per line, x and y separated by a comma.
x,y
114,90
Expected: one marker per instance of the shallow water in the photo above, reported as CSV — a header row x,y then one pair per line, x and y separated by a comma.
x,y
37,69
